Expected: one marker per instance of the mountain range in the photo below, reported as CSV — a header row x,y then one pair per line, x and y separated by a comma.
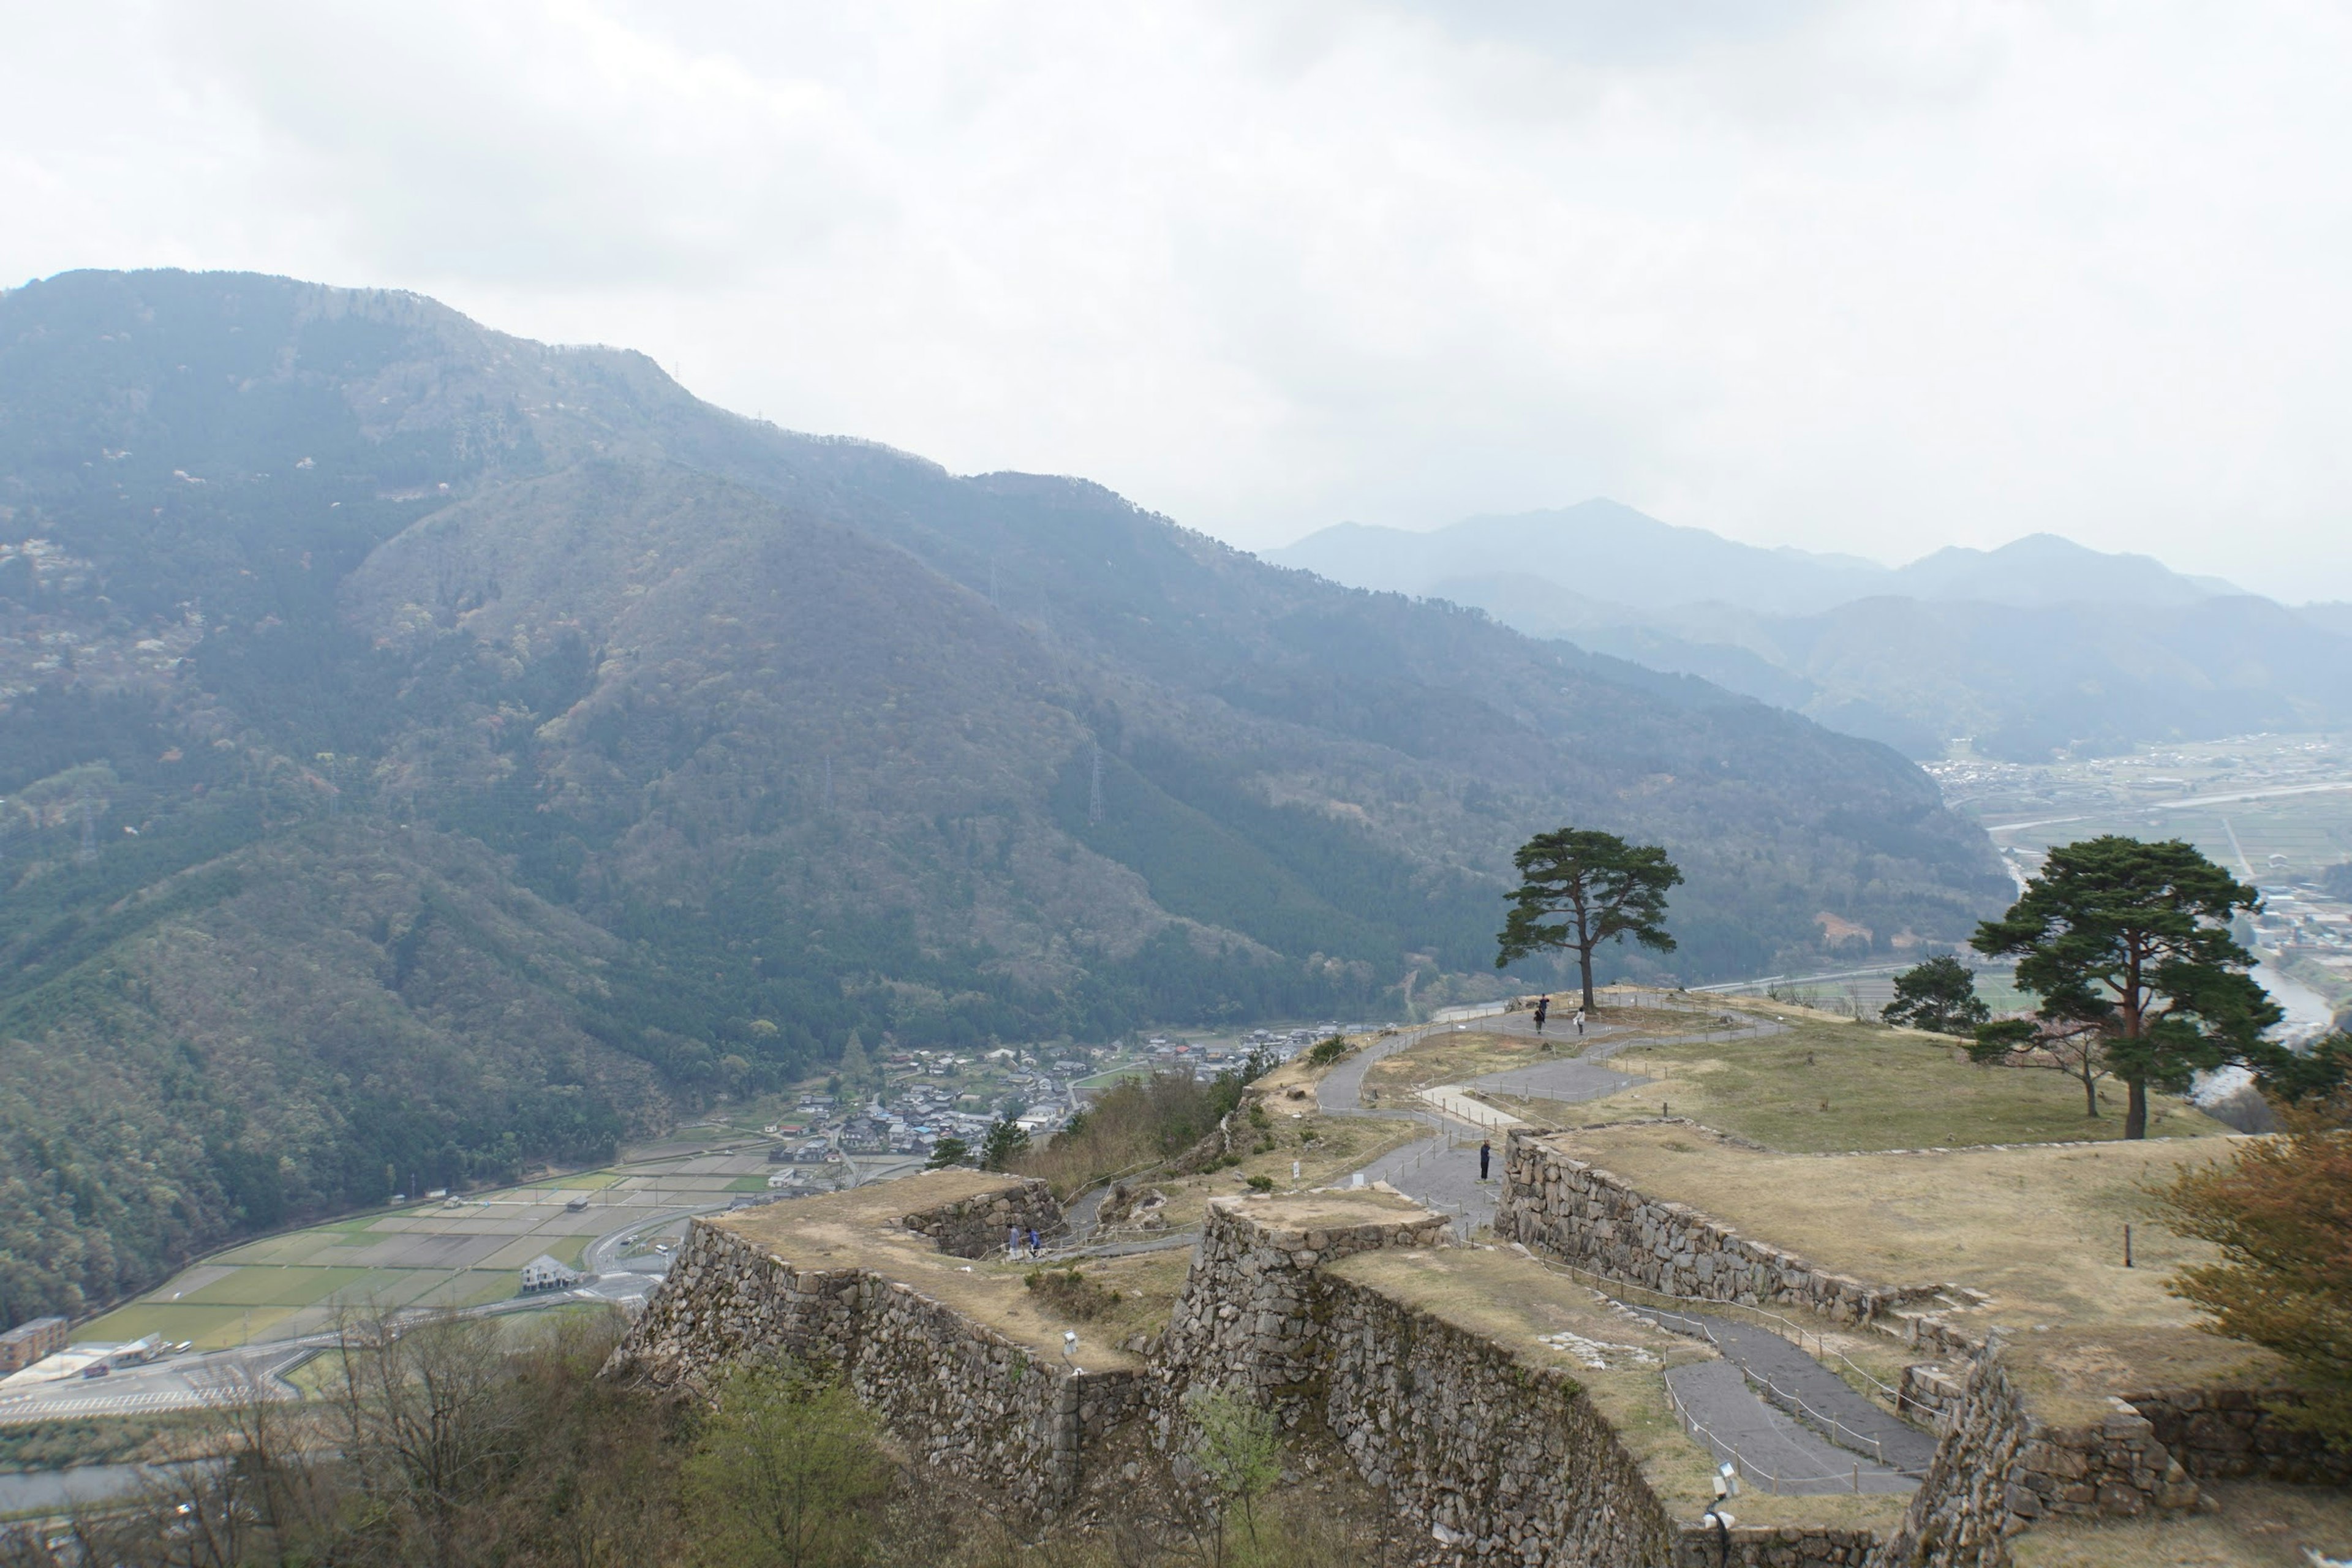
x,y
427,752
2040,647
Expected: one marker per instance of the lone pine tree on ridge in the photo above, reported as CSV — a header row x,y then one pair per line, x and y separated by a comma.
x,y
1579,887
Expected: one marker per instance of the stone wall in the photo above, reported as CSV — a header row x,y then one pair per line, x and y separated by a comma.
x,y
2231,1432
968,1398
1998,1468
976,1226
1500,1461
1577,1211
1248,1307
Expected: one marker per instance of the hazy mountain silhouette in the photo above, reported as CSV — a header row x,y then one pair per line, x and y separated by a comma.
x,y
2038,646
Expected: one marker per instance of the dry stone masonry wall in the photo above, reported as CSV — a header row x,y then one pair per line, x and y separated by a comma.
x,y
1999,1468
1248,1314
972,1400
1577,1211
978,1226
1502,1461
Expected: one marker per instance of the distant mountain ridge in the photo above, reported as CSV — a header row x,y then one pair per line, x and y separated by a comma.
x,y
1603,551
424,751
2037,646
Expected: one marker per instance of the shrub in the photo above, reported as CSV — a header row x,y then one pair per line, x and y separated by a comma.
x,y
1071,1293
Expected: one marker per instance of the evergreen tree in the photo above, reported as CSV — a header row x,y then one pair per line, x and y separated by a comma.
x,y
2132,939
1006,1140
948,1151
1939,996
1580,888
856,1070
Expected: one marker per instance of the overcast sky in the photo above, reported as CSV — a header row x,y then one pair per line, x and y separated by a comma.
x,y
1873,276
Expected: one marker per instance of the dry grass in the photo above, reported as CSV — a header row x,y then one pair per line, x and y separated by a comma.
x,y
2037,1231
1450,1058
1840,1086
858,1229
1327,1148
2259,1525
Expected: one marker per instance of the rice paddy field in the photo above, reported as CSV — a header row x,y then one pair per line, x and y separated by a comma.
x,y
460,1253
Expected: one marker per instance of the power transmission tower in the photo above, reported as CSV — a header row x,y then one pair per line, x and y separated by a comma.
x,y
1093,795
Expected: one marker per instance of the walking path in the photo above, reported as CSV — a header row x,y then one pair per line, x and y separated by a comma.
x,y
1781,1440
1809,1391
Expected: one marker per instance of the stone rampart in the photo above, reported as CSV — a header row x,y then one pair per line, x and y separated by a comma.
x,y
977,1226
1501,1461
2229,1433
1247,1317
1577,1211
972,1401
1498,1460
1998,1466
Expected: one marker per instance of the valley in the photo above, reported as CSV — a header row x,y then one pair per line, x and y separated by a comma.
x,y
425,752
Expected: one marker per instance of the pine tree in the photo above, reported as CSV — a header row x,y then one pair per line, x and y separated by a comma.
x,y
1580,888
2132,939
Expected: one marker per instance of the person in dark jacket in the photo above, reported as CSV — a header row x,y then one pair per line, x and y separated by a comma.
x,y
1543,1011
1486,1153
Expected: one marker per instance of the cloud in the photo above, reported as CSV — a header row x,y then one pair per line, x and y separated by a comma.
x,y
1871,277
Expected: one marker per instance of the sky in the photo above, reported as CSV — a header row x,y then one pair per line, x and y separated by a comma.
x,y
1872,278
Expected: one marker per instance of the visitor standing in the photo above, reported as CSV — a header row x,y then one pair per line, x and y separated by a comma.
x,y
1486,1154
1543,1011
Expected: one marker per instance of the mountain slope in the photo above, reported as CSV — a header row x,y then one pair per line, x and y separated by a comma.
x,y
2038,646
409,728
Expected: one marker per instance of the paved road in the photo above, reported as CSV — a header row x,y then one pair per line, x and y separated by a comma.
x,y
1773,1449
1805,1389
1442,1171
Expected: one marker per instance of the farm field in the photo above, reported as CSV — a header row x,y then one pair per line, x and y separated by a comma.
x,y
457,1253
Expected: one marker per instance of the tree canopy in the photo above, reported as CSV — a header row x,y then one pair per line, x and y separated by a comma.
x,y
2131,940
1939,996
2281,1211
1579,887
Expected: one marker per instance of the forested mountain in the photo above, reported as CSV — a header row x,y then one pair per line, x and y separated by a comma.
x,y
2039,647
426,750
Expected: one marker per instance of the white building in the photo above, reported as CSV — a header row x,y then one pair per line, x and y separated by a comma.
x,y
544,1273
